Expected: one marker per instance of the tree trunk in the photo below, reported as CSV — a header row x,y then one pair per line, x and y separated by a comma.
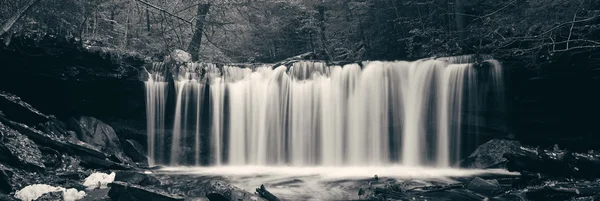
x,y
148,20
125,41
194,47
323,38
82,29
17,16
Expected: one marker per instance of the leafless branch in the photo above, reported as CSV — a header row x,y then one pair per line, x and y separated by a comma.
x,y
17,16
573,23
164,11
492,13
578,47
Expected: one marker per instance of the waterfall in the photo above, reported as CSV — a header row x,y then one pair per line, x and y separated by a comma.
x,y
156,92
311,114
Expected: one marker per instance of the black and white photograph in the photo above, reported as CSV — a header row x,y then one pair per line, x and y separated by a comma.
x,y
294,100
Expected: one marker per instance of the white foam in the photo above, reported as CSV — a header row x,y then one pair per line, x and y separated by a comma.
x,y
336,172
98,179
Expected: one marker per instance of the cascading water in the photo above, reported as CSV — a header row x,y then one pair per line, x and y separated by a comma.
x,y
311,114
156,93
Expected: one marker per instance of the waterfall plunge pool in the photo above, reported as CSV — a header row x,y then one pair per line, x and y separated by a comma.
x,y
320,182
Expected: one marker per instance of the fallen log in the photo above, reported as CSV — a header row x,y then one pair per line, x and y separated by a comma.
x,y
263,192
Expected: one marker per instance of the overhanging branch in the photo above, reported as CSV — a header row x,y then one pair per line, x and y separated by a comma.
x,y
164,11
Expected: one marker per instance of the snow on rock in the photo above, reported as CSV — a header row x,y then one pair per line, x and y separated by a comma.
x,y
34,191
181,56
99,180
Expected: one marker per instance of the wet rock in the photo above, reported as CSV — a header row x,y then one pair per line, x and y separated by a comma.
x,y
97,195
18,150
96,133
134,150
549,194
136,178
121,191
6,185
84,149
14,108
554,163
7,198
52,159
37,136
53,127
217,197
230,191
51,196
263,192
181,56
70,175
100,163
490,154
484,187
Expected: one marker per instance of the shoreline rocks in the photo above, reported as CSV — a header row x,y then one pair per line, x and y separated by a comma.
x,y
121,191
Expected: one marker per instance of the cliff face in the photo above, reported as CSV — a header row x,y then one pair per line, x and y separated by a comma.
x,y
557,102
60,77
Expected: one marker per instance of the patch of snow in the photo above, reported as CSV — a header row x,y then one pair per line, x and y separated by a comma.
x,y
99,180
34,191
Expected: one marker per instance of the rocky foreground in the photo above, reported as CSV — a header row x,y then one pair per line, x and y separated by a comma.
x,y
38,148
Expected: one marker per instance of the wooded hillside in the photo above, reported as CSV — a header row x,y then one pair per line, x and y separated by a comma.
x,y
268,31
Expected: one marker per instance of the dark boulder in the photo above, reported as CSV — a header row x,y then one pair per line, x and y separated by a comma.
x,y
121,191
136,178
217,197
7,198
230,191
18,150
484,187
93,156
135,151
490,154
37,136
102,163
96,133
54,127
52,159
14,108
51,196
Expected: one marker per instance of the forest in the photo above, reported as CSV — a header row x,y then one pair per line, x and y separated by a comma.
x,y
269,31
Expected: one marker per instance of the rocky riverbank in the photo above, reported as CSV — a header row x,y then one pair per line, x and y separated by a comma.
x,y
41,149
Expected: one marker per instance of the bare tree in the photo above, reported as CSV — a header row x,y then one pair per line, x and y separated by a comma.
x,y
194,47
17,16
